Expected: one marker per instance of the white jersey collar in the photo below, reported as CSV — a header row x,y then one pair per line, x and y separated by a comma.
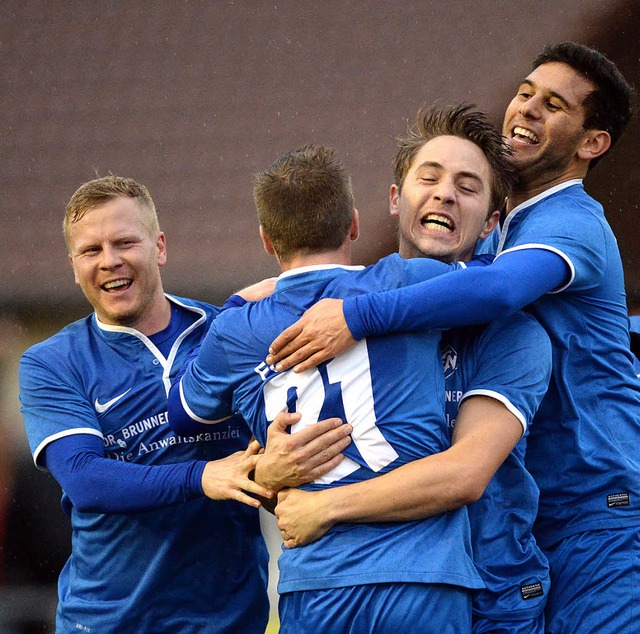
x,y
319,267
532,201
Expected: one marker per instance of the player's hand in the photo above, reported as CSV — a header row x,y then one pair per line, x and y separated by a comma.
x,y
259,290
228,478
320,334
294,459
302,518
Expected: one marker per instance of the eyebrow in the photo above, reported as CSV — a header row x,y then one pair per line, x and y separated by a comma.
x,y
463,173
552,93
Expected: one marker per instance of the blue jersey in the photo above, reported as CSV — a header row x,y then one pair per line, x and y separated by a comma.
x,y
198,566
389,388
583,448
509,361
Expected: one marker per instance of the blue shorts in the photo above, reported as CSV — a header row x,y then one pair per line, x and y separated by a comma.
x,y
595,583
525,626
385,608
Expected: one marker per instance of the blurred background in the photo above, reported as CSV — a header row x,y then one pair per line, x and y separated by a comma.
x,y
192,98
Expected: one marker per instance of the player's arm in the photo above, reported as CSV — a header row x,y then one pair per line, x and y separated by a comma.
x,y
475,295
484,435
201,394
97,484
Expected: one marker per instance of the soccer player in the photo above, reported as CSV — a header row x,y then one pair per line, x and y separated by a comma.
x,y
557,252
359,577
444,198
150,552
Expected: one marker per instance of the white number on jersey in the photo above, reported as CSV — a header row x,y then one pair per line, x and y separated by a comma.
x,y
352,372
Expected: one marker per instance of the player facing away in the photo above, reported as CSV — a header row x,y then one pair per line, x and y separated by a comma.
x,y
404,576
450,177
557,252
150,551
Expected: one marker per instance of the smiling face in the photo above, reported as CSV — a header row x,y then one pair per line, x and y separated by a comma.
x,y
443,203
116,258
543,124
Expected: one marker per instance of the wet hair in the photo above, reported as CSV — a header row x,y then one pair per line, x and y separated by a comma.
x,y
466,122
305,202
609,106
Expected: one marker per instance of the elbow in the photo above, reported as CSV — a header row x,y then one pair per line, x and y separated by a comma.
x,y
84,502
503,301
471,488
473,494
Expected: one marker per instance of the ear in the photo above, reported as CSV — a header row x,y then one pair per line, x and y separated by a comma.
x,y
490,224
394,197
594,144
266,243
161,244
73,268
354,232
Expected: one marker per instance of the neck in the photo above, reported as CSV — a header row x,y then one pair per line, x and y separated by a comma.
x,y
339,256
531,185
158,318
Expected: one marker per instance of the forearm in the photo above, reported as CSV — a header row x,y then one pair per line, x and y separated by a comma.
x,y
423,488
484,435
473,296
97,484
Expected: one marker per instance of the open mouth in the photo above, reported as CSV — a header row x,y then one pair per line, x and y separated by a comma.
x,y
525,136
437,222
116,285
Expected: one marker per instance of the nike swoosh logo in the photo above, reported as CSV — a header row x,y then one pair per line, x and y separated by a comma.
x,y
103,407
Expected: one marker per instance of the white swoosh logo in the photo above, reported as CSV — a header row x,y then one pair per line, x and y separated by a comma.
x,y
103,407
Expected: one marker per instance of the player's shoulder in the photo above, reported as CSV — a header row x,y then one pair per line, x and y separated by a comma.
x,y
194,305
73,336
562,206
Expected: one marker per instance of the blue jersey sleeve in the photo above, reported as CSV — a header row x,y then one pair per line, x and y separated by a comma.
x,y
513,365
475,295
52,404
202,395
97,484
234,301
575,235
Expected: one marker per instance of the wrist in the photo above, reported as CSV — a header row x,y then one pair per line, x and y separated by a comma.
x,y
329,507
261,476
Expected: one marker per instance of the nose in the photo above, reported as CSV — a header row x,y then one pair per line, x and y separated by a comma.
x,y
444,191
531,107
110,257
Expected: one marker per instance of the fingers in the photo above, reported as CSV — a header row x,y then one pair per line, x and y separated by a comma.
x,y
329,429
253,448
328,446
284,420
316,449
302,360
275,349
282,496
256,489
243,498
325,467
291,356
228,479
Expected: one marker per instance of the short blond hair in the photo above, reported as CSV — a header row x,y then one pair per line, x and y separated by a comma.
x,y
100,190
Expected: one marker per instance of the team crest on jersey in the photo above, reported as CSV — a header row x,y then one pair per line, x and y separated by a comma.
x,y
450,361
